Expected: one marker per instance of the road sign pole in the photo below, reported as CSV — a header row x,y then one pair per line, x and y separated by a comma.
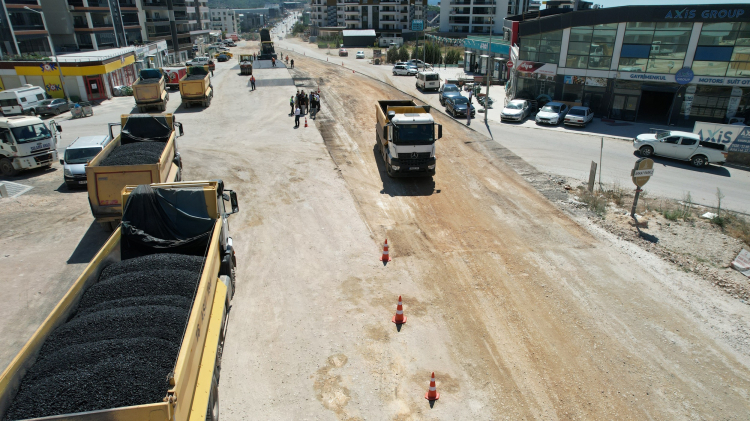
x,y
635,203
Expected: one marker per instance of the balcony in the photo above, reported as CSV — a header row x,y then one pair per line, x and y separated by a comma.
x,y
160,4
460,21
484,3
157,20
351,20
350,12
461,3
75,3
460,12
389,12
128,3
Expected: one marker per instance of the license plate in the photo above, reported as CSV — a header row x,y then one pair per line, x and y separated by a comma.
x,y
413,168
82,182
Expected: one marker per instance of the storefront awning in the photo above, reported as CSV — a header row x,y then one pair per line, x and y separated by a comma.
x,y
484,56
468,52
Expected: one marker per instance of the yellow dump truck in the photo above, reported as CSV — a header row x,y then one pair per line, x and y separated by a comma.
x,y
144,152
405,134
195,87
93,356
150,90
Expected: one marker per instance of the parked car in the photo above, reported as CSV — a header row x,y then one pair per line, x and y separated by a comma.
x,y
52,106
515,110
552,113
21,100
684,146
456,106
198,61
418,63
360,54
343,52
401,70
579,116
77,155
222,58
446,91
428,80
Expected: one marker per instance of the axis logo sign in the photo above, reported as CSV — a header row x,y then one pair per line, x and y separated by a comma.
x,y
706,14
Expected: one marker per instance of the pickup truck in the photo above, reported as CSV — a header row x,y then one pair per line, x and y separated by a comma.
x,y
684,146
138,335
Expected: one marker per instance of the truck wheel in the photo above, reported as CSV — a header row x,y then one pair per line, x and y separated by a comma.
x,y
646,151
699,161
212,411
6,168
234,277
388,170
187,105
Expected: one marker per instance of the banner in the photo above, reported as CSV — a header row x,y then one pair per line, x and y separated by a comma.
x,y
53,87
736,137
536,67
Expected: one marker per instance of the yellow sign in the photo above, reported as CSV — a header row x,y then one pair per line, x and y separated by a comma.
x,y
53,87
2,86
50,68
642,172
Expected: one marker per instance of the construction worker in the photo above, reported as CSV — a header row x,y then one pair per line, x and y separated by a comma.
x,y
252,81
292,63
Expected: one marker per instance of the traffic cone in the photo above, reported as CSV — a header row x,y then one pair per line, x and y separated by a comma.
x,y
386,257
305,121
399,318
432,394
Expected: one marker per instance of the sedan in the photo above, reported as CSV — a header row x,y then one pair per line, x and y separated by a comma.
x,y
222,58
343,53
457,106
552,113
579,116
515,110
360,54
403,70
52,106
446,91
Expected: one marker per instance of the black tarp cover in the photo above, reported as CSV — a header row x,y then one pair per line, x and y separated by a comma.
x,y
165,221
145,128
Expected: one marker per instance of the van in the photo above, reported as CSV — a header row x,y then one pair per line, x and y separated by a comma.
x,y
21,100
428,80
77,155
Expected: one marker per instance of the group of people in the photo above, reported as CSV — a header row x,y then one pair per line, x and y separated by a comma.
x,y
300,104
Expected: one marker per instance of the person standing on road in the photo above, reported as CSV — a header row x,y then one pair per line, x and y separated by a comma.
x,y
252,81
292,63
273,62
296,117
291,104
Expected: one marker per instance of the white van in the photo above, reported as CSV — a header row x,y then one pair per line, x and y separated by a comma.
x,y
77,156
21,100
428,80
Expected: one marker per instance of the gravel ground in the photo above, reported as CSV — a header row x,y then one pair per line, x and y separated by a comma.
x,y
134,154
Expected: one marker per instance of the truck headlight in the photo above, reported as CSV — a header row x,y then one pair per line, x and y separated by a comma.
x,y
431,167
395,167
67,172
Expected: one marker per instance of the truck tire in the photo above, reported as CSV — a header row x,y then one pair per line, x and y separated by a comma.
x,y
212,411
646,151
389,170
699,161
6,168
187,105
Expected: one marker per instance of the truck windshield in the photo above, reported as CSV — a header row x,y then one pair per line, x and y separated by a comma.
x,y
31,133
80,156
414,134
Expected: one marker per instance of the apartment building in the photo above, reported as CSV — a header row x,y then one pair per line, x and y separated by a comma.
x,y
386,17
478,16
225,20
180,22
23,31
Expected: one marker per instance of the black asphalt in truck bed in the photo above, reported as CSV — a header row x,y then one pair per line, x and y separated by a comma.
x,y
135,154
148,81
195,77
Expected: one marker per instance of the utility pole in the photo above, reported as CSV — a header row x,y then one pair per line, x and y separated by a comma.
x,y
489,61
62,79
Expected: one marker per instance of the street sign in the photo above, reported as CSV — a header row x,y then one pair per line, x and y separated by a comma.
x,y
417,25
642,172
510,64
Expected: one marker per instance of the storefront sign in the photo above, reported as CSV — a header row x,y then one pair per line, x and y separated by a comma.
x,y
574,80
700,80
721,81
736,137
651,77
684,76
596,81
706,13
538,68
481,47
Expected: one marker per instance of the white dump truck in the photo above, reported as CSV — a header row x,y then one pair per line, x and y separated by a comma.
x,y
406,135
26,143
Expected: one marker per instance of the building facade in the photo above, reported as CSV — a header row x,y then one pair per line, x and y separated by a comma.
x,y
386,17
656,64
225,20
182,23
478,17
23,31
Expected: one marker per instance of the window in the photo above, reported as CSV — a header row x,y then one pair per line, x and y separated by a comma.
x,y
673,140
688,141
590,47
654,47
723,50
39,97
544,47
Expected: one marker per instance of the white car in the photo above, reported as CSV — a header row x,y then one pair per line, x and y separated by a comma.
x,y
515,110
552,113
685,146
401,70
360,54
579,116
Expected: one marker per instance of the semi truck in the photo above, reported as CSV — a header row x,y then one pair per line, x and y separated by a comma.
x,y
26,143
133,158
93,357
406,135
173,75
195,86
150,90
266,46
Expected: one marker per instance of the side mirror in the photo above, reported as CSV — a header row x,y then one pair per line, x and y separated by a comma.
x,y
440,131
233,201
59,128
62,162
182,132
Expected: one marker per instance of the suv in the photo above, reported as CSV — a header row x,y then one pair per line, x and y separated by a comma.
x,y
343,52
402,70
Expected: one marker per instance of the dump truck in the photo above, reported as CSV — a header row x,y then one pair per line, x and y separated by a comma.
x,y
150,90
195,87
266,46
173,75
131,340
144,152
406,135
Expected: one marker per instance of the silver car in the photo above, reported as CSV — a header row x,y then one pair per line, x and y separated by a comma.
x,y
515,110
552,113
52,106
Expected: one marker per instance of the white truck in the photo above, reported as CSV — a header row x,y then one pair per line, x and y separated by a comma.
x,y
684,146
26,143
406,135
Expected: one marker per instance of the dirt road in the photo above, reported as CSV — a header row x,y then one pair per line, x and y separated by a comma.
x,y
538,317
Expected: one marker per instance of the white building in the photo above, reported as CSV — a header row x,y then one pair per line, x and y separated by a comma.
x,y
225,20
389,17
477,16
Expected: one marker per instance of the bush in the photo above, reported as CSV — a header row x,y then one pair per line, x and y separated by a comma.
x,y
453,56
391,55
595,202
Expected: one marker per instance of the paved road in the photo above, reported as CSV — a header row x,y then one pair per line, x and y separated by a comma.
x,y
568,153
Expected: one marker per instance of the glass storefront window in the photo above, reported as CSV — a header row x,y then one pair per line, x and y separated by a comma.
x,y
664,66
638,37
641,25
633,64
572,93
723,50
655,47
580,48
739,69
710,68
671,37
669,52
544,47
591,47
577,62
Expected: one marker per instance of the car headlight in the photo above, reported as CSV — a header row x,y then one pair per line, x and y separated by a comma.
x,y
67,172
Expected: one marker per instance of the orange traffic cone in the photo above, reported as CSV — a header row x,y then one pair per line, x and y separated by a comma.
x,y
386,257
305,121
399,318
432,394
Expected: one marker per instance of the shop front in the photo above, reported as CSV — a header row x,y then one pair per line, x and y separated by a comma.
x,y
483,55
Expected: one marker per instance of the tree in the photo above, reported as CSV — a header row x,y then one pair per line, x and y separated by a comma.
x,y
403,53
430,51
299,28
453,56
392,55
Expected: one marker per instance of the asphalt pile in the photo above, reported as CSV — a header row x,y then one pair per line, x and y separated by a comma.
x,y
195,77
121,344
137,153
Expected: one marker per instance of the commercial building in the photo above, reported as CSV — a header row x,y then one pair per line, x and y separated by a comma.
x,y
387,17
225,20
23,31
478,16
656,64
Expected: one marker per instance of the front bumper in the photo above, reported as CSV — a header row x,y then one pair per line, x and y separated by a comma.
x,y
413,167
463,113
75,179
574,123
511,117
546,121
35,161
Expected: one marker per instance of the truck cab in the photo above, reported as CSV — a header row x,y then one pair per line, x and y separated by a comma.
x,y
26,143
406,135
